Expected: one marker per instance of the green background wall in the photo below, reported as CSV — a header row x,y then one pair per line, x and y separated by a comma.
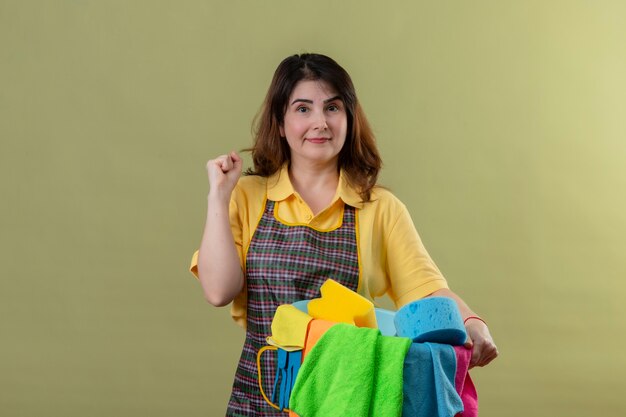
x,y
502,125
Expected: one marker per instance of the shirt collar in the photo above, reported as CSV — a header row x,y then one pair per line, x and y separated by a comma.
x,y
347,193
279,188
279,185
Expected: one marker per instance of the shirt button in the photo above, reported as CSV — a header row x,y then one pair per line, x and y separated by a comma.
x,y
309,217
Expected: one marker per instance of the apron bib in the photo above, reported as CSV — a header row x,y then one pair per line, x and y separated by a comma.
x,y
284,264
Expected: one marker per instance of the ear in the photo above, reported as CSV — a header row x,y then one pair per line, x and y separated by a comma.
x,y
281,129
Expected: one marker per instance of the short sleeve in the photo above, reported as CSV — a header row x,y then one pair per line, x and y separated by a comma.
x,y
193,267
236,212
412,272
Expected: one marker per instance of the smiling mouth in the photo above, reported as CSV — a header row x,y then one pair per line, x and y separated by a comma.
x,y
318,140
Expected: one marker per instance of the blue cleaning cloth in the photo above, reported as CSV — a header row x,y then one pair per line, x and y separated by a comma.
x,y
429,377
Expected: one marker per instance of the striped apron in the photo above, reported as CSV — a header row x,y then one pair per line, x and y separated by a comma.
x,y
284,264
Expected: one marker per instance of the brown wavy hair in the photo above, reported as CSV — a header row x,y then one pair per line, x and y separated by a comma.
x,y
359,157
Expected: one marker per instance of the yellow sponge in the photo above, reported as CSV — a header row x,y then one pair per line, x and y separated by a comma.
x,y
340,304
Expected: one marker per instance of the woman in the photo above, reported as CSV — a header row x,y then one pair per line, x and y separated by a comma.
x,y
309,210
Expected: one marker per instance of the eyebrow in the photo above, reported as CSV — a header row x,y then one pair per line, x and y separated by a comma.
x,y
303,100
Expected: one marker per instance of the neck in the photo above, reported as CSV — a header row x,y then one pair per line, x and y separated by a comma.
x,y
315,184
304,177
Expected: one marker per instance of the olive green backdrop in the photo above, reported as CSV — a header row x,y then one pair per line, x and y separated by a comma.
x,y
502,125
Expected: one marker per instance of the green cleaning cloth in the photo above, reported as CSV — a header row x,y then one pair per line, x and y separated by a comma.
x,y
351,371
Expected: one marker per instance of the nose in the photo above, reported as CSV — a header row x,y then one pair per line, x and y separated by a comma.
x,y
320,121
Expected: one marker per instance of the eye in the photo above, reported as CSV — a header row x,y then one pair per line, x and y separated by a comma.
x,y
302,109
333,108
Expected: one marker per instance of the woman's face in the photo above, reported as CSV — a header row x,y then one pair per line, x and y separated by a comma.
x,y
315,123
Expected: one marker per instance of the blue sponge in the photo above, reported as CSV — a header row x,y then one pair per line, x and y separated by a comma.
x,y
432,319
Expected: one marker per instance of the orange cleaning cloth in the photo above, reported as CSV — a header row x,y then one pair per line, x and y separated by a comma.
x,y
316,329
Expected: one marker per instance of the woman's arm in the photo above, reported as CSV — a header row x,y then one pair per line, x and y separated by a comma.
x,y
478,335
219,268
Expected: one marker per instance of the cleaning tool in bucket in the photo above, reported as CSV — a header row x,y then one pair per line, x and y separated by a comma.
x,y
431,319
287,368
340,304
384,318
289,328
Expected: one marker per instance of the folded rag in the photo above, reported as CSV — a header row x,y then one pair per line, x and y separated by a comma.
x,y
316,330
351,371
289,327
464,384
429,381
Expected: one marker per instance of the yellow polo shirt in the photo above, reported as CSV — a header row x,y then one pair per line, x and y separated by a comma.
x,y
392,258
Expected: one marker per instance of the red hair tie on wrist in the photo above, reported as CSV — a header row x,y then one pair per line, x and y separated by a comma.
x,y
474,317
